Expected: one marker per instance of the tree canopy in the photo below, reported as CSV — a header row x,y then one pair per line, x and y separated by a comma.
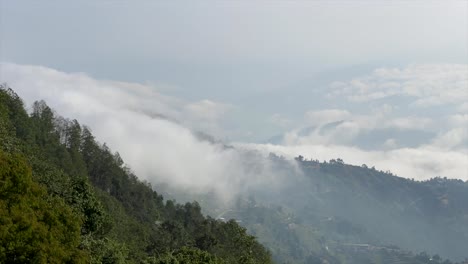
x,y
66,198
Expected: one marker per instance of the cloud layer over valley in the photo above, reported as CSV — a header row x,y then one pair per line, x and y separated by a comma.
x,y
416,118
152,132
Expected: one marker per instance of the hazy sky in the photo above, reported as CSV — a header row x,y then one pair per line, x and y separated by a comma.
x,y
377,82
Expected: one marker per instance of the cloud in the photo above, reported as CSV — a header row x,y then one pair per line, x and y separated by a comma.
x,y
459,120
463,107
206,110
343,127
396,103
280,120
153,133
418,163
205,115
337,133
408,123
454,138
411,120
390,143
321,117
428,84
77,92
140,123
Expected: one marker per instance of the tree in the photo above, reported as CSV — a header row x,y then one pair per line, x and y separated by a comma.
x,y
13,107
186,255
65,198
34,227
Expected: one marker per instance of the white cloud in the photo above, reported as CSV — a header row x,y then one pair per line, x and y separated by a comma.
x,y
418,163
206,110
457,137
128,118
459,120
409,123
321,117
279,120
77,92
378,103
342,133
342,127
430,98
428,84
390,143
463,107
205,115
150,131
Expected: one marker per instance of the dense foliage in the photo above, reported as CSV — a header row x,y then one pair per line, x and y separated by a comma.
x,y
35,227
65,198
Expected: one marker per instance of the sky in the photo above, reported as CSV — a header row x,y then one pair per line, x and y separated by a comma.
x,y
376,82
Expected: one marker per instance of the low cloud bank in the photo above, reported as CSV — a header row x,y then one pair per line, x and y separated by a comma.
x,y
418,163
150,130
153,134
412,121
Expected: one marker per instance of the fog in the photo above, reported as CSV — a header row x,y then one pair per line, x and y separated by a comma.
x,y
156,135
150,131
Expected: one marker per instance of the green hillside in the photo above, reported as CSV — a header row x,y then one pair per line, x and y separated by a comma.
x,y
65,198
339,213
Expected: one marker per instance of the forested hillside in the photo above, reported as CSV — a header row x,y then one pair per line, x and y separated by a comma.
x,y
339,213
65,198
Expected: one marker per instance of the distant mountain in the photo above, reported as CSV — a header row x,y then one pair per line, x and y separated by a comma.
x,y
332,212
351,205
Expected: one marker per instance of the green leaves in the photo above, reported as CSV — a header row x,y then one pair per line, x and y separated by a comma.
x,y
185,255
34,227
65,198
15,178
105,251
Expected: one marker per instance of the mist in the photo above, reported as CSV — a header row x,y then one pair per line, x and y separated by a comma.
x,y
154,134
333,132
